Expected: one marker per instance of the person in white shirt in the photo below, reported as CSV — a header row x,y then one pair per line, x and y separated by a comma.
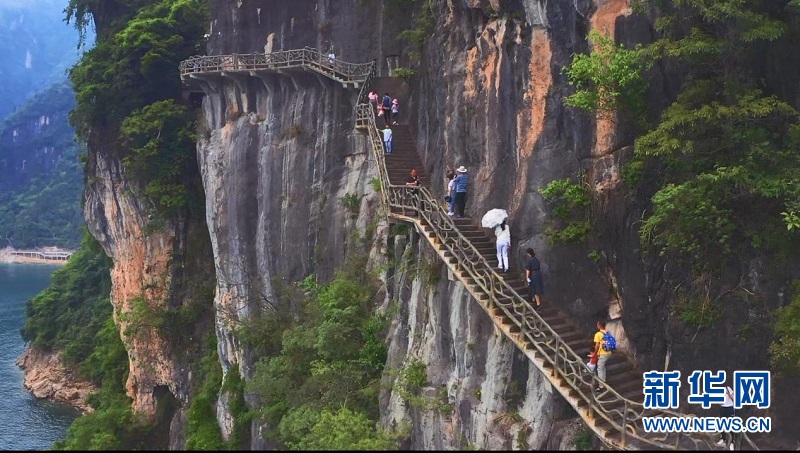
x,y
387,139
503,233
727,410
451,191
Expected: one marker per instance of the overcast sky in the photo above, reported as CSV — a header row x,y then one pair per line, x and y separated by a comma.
x,y
29,3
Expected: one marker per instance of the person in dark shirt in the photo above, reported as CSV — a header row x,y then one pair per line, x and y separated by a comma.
x,y
413,180
387,108
461,191
533,273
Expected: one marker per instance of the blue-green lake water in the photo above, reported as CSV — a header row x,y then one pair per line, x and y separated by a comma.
x,y
26,423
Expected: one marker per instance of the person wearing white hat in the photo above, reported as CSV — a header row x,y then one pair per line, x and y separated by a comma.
x,y
395,110
461,191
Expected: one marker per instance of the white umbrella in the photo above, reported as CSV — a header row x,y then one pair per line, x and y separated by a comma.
x,y
493,218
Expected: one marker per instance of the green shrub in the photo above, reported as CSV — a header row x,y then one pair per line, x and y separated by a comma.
x,y
352,203
696,312
407,74
423,28
400,229
583,439
159,140
785,349
608,78
414,376
202,428
570,203
375,183
326,360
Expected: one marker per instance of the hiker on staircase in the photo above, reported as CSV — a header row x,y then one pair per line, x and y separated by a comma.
x,y
373,99
503,233
413,180
387,108
604,344
533,274
395,110
461,191
450,198
387,139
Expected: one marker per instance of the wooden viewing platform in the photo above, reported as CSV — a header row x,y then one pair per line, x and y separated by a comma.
x,y
43,255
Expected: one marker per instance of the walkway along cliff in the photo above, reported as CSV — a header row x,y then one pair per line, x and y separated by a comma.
x,y
548,338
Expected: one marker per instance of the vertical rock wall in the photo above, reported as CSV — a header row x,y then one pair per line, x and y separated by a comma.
x,y
280,152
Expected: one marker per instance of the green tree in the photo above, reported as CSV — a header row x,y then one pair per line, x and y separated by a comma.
x,y
607,79
785,349
334,430
330,361
159,143
728,142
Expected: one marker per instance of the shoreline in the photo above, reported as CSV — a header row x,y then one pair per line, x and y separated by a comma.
x,y
46,377
7,258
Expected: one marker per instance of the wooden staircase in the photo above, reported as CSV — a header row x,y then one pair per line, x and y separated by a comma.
x,y
548,337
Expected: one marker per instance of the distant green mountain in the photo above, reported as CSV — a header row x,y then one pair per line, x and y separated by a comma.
x,y
42,179
37,47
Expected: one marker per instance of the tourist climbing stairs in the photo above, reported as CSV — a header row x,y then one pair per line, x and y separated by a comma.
x,y
548,337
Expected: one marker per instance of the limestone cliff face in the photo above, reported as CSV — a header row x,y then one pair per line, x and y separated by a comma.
x,y
280,153
117,218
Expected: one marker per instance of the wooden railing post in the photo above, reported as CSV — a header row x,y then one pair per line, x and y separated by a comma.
x,y
492,292
555,361
624,439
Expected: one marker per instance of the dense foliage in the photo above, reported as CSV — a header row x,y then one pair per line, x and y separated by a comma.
x,y
127,89
785,351
570,202
608,79
128,86
158,137
41,187
74,315
319,382
70,313
729,141
721,161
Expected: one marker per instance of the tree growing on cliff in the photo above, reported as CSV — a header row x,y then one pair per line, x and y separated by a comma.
x,y
729,141
607,79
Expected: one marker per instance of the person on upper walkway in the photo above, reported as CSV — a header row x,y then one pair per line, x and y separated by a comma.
x,y
387,108
461,191
387,139
503,233
413,179
533,274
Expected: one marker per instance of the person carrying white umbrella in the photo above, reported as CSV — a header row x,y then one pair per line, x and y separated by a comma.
x,y
503,233
496,218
